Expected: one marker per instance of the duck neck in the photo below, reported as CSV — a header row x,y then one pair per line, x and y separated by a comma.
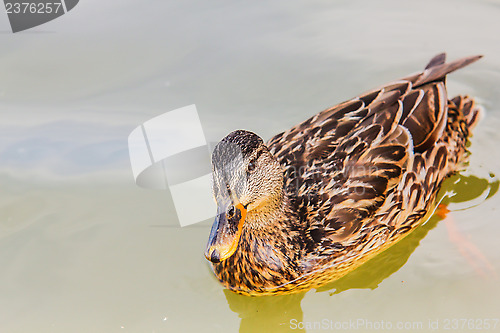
x,y
266,215
270,228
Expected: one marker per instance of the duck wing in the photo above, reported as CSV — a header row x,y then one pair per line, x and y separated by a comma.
x,y
341,164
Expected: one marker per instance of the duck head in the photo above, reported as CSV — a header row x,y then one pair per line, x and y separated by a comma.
x,y
247,182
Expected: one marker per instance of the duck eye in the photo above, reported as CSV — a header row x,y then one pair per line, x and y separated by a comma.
x,y
251,166
230,213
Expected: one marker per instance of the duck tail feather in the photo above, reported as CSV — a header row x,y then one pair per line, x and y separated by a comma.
x,y
436,71
437,60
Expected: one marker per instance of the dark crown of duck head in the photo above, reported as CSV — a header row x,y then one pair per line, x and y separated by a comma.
x,y
238,144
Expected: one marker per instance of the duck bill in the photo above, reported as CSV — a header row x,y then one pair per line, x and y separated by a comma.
x,y
225,234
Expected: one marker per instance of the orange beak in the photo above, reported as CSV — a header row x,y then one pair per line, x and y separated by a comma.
x,y
226,231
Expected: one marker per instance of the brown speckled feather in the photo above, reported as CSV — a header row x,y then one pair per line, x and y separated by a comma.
x,y
358,177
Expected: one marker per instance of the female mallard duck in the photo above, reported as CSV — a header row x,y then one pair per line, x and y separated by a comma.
x,y
324,197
